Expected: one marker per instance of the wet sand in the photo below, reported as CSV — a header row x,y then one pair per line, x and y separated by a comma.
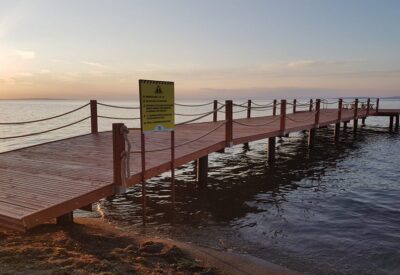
x,y
92,246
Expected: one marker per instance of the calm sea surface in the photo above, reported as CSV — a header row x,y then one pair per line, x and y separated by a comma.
x,y
331,210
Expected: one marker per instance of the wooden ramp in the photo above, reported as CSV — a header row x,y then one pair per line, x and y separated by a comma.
x,y
42,182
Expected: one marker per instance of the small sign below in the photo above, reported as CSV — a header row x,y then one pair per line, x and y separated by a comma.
x,y
157,105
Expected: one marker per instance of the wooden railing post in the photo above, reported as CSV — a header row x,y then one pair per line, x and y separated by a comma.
x,y
283,116
274,108
368,106
356,108
228,121
317,112
337,125
249,108
93,116
340,107
294,105
311,105
355,121
215,114
118,149
377,104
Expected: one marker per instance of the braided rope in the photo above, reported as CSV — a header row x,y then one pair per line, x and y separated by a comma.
x,y
115,106
45,119
302,120
46,131
200,117
184,143
260,109
194,105
123,118
178,114
256,125
125,156
263,105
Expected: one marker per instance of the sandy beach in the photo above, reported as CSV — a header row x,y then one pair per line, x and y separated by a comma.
x,y
92,246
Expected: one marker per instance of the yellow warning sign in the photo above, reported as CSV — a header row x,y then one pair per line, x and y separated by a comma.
x,y
157,105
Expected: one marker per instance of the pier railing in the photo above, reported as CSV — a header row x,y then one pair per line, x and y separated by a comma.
x,y
247,110
229,108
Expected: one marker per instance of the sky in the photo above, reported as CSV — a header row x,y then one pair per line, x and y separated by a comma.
x,y
211,49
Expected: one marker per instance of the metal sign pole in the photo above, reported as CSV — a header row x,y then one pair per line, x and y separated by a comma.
x,y
173,167
143,149
157,110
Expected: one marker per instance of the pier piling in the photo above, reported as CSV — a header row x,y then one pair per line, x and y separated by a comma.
x,y
337,125
246,145
396,128
271,150
283,117
202,171
355,120
66,219
228,123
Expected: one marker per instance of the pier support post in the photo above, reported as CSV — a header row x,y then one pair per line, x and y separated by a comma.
x,y
294,105
337,132
202,171
246,145
271,150
337,125
283,117
311,105
355,120
345,124
274,108
118,149
363,122
312,132
396,127
66,219
391,123
377,105
93,116
228,123
311,137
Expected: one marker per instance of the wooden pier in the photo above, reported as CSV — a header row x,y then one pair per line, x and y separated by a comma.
x,y
49,181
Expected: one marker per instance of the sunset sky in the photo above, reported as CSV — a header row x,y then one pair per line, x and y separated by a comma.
x,y
299,48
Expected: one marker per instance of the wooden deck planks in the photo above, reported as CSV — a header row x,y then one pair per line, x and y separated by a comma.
x,y
45,181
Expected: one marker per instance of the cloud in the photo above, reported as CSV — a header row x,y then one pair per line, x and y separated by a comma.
x,y
25,54
316,63
93,64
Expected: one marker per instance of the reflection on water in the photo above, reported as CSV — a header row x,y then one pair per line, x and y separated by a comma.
x,y
332,209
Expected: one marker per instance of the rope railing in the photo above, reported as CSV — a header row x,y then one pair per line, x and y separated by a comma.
x,y
330,103
194,105
302,103
45,119
202,116
302,120
122,118
260,109
184,143
262,105
256,125
46,131
117,106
